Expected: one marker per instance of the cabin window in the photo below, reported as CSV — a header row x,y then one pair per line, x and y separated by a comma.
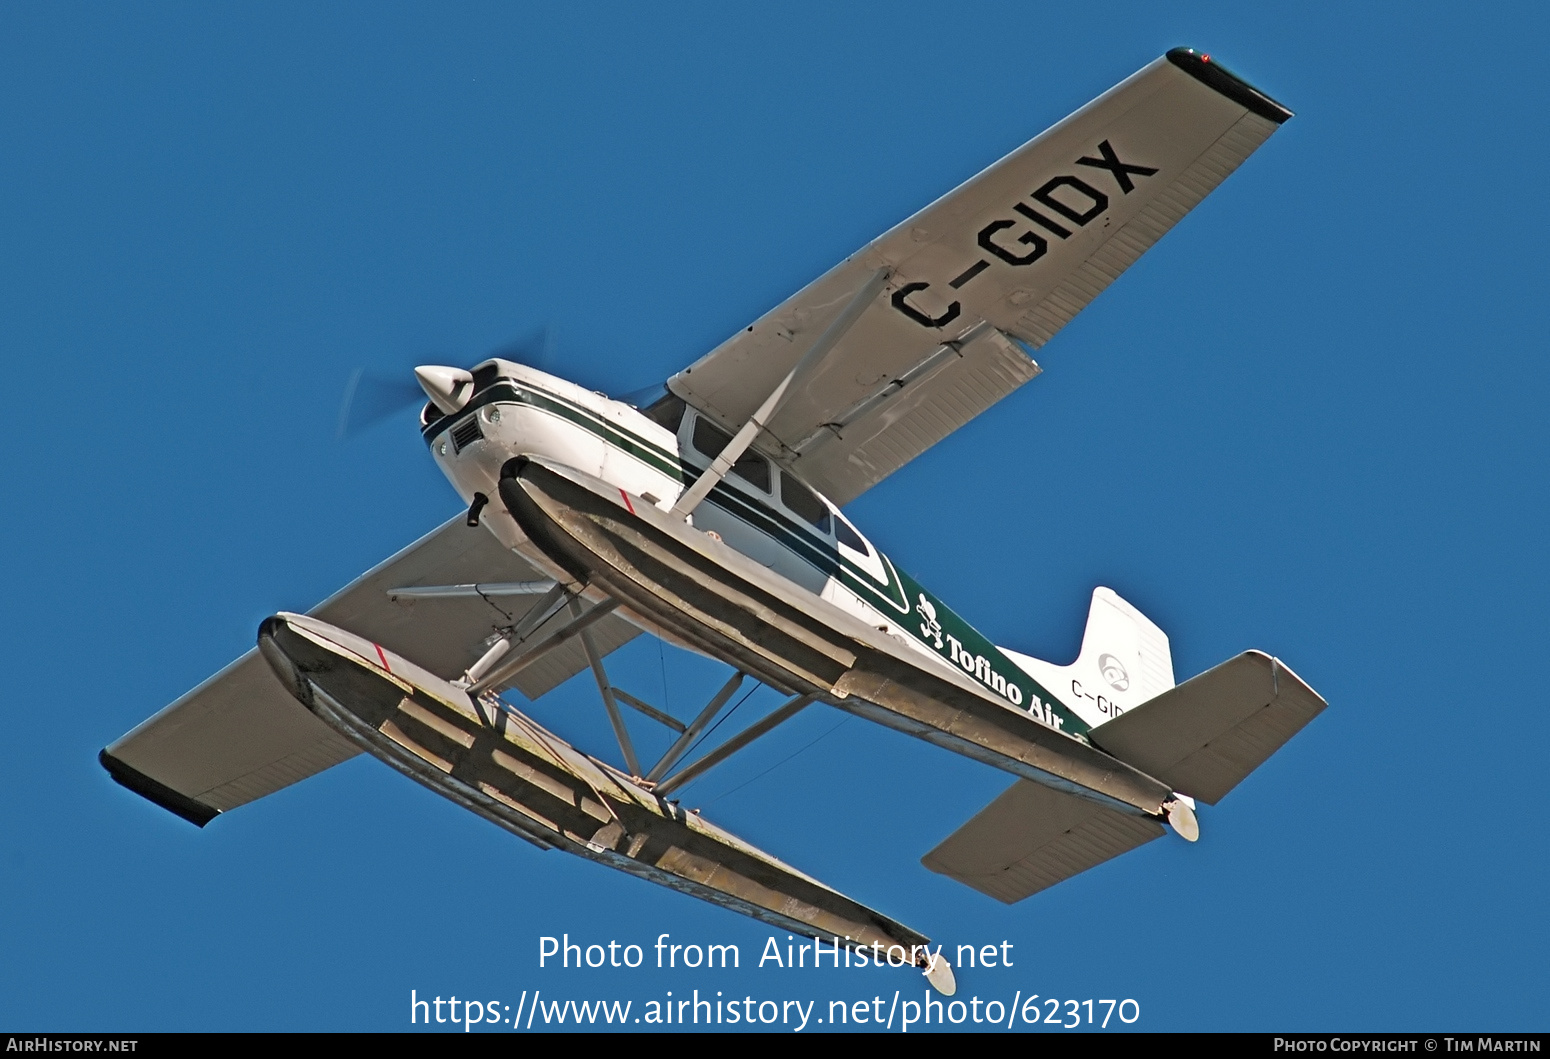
x,y
666,411
804,502
710,440
849,537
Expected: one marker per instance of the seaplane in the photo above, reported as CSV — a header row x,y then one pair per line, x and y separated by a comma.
x,y
710,515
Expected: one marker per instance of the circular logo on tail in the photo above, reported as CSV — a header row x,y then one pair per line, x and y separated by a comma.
x,y
1113,671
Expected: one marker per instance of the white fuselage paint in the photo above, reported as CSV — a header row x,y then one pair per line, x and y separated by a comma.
x,y
560,421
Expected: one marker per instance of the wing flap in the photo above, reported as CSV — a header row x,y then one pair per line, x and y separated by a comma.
x,y
1032,837
857,455
1206,735
241,735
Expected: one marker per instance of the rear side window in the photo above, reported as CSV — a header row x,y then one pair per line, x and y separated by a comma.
x,y
849,537
804,502
710,439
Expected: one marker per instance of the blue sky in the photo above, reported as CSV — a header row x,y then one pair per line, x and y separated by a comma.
x,y
1309,421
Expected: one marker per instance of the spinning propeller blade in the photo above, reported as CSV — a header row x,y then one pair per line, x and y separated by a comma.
x,y
535,349
371,396
541,349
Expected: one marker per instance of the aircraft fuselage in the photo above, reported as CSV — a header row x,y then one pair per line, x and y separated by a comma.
x,y
760,510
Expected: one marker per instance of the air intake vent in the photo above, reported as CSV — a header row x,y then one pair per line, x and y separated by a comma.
x,y
466,433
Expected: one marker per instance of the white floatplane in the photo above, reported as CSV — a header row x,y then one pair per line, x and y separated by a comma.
x,y
711,517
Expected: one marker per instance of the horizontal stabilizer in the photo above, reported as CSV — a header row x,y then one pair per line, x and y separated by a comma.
x,y
1204,736
1033,837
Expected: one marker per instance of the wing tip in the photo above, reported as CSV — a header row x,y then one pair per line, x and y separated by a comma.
x,y
125,775
1214,75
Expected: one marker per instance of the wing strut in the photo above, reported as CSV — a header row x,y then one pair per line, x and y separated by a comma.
x,y
810,360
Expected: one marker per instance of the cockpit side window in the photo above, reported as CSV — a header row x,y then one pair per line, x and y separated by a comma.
x,y
710,439
804,502
849,537
666,411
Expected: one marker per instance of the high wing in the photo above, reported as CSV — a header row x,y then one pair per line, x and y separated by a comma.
x,y
241,735
1001,263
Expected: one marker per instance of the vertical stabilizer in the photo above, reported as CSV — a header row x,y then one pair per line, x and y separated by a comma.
x,y
1124,662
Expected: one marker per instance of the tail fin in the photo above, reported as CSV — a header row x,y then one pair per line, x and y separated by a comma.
x,y
1124,662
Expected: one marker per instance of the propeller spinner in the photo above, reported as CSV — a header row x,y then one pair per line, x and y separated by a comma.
x,y
448,388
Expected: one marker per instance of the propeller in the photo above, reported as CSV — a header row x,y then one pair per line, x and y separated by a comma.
x,y
536,349
370,396
541,349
